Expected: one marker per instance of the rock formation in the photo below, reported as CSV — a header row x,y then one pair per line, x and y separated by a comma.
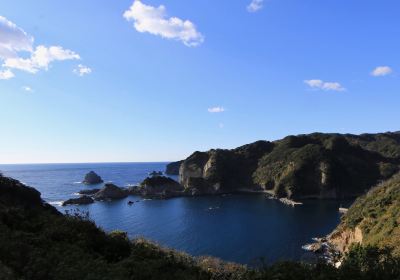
x,y
89,192
305,166
110,192
173,168
92,178
159,187
79,201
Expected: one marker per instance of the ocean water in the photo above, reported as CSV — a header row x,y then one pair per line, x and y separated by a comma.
x,y
239,228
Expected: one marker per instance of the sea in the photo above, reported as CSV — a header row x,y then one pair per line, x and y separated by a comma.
x,y
243,228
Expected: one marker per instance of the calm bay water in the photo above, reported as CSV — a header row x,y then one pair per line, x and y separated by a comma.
x,y
240,228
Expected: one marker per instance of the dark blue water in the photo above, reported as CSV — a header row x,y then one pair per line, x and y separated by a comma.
x,y
240,228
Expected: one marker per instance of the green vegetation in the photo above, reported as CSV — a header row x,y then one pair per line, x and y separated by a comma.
x,y
321,165
316,165
377,214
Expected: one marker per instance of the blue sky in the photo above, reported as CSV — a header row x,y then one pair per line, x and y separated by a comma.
x,y
157,83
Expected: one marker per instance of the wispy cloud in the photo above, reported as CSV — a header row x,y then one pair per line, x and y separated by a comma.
x,y
321,85
255,6
381,71
82,70
154,20
6,74
217,109
14,41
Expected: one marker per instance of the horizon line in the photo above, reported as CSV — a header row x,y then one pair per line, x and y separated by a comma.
x,y
93,162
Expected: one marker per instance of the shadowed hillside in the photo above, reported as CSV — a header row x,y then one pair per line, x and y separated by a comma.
x,y
305,166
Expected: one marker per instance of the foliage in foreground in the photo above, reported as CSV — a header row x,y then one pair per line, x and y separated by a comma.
x,y
36,242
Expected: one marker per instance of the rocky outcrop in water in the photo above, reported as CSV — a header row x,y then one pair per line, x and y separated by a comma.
x,y
83,200
110,192
89,192
92,178
305,166
173,168
159,187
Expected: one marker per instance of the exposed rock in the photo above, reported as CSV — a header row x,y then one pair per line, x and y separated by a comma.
x,y
297,167
173,168
159,187
89,192
79,201
342,240
92,179
110,192
373,219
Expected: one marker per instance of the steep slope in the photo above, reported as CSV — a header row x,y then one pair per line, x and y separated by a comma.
x,y
219,171
173,168
315,165
373,219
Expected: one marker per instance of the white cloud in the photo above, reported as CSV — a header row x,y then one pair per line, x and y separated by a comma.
x,y
154,20
82,70
255,6
216,109
381,71
319,84
221,125
40,59
14,41
6,74
28,89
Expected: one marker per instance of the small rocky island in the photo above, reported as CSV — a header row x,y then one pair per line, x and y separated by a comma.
x,y
84,199
110,192
159,187
92,178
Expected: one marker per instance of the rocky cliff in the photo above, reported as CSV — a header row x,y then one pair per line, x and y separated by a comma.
x,y
373,219
173,168
305,166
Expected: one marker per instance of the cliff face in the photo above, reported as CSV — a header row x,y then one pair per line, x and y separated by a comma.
x,y
219,171
373,219
173,168
316,165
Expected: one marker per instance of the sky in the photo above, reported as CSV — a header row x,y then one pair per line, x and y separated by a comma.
x,y
156,80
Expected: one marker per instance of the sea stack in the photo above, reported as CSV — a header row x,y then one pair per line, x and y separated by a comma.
x,y
78,201
160,187
110,192
92,179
